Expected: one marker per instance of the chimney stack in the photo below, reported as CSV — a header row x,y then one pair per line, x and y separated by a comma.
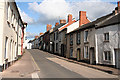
x,y
36,37
41,34
49,26
69,18
83,18
57,23
62,21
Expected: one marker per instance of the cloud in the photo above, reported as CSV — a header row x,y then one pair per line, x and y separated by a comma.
x,y
30,35
25,17
51,11
95,9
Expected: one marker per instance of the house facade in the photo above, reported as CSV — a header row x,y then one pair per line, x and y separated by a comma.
x,y
81,43
72,41
55,36
11,24
107,42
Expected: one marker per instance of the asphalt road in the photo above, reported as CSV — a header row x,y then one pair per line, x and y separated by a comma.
x,y
49,69
52,67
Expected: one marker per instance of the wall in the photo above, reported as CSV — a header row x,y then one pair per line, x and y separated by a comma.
x,y
8,30
62,41
72,26
1,30
107,46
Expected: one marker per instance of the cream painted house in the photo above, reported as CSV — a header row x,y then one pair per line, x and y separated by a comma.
x,y
10,32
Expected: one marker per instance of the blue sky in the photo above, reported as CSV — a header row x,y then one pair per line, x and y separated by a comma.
x,y
40,13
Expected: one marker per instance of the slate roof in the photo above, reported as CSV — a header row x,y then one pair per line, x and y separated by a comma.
x,y
114,20
56,27
92,24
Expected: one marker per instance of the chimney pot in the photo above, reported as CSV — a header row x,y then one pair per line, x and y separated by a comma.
x,y
41,33
36,37
83,18
49,26
62,21
69,18
57,23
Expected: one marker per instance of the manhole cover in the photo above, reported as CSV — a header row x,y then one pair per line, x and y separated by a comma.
x,y
14,71
22,75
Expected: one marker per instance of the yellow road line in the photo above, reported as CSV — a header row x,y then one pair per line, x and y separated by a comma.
x,y
35,62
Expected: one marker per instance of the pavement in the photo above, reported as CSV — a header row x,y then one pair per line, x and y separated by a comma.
x,y
53,67
106,69
39,64
23,68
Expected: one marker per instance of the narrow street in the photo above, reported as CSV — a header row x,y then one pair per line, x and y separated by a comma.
x,y
52,67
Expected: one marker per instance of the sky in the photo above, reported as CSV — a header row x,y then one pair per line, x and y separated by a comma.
x,y
39,13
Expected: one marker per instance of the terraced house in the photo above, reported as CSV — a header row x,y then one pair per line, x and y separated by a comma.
x,y
11,32
108,42
54,37
97,41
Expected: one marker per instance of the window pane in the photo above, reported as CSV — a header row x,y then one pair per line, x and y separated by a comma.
x,y
105,55
109,56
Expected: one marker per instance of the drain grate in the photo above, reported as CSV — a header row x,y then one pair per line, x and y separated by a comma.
x,y
14,71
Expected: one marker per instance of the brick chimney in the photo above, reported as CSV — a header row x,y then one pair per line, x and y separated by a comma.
x,y
118,6
83,18
62,21
69,18
41,34
49,26
36,37
57,23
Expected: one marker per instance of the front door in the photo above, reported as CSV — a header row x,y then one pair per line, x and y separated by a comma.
x,y
78,54
117,58
92,56
62,49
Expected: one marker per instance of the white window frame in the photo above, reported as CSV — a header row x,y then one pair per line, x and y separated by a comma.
x,y
86,37
71,39
108,55
86,52
78,36
106,36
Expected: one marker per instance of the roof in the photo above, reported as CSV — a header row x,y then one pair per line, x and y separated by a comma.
x,y
114,20
92,24
58,26
66,25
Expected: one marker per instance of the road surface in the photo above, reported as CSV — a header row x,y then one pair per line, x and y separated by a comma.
x,y
53,67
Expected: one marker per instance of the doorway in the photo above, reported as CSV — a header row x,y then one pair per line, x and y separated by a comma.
x,y
92,55
117,59
62,49
78,54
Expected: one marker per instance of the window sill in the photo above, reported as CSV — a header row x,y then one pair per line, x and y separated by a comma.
x,y
107,61
86,42
71,44
86,58
106,41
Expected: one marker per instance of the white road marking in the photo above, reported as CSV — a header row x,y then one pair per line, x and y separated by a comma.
x,y
35,76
